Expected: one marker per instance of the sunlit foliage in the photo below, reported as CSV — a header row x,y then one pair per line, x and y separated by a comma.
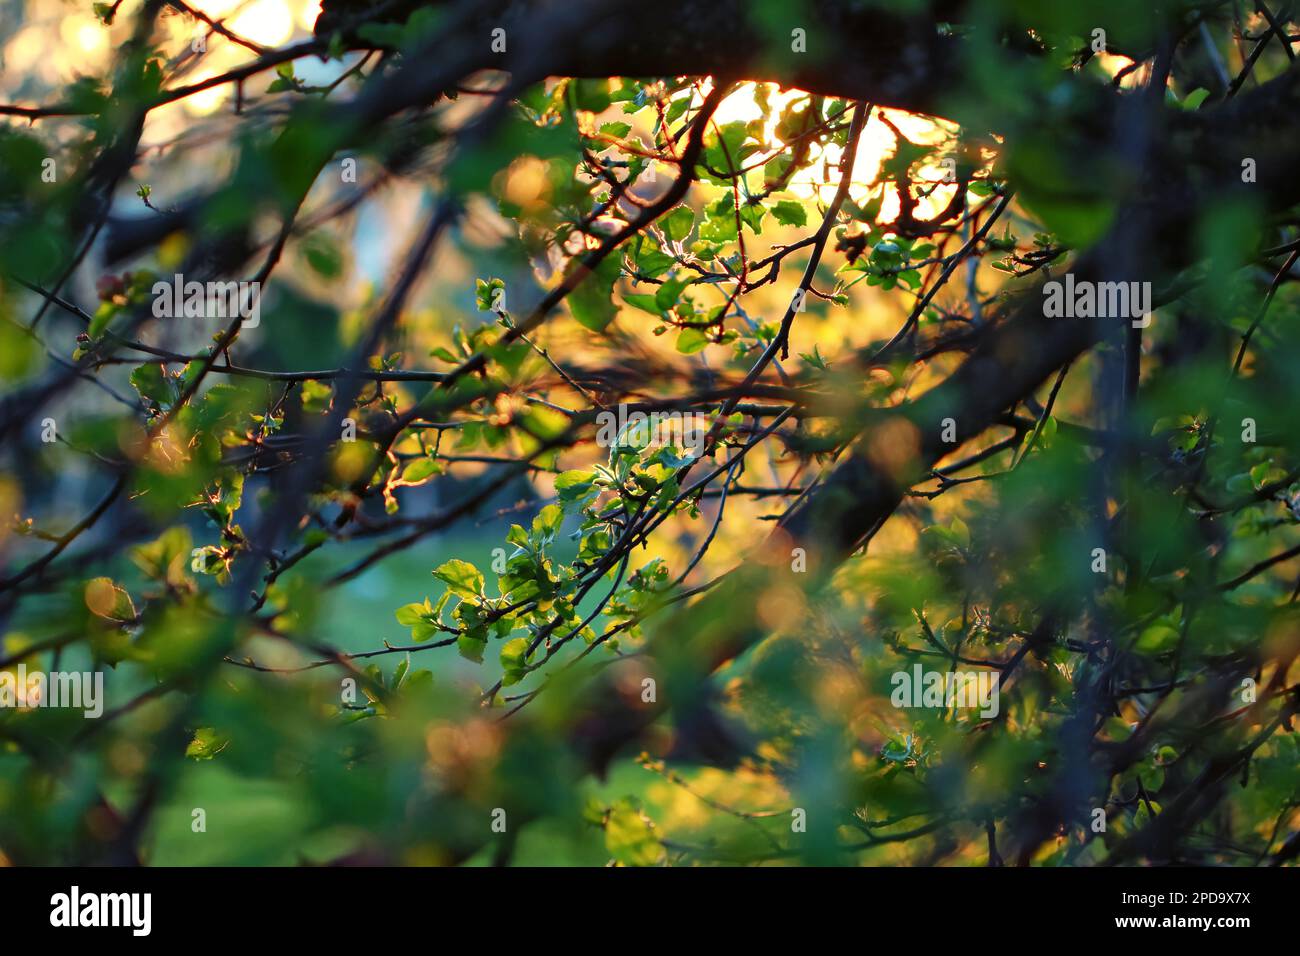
x,y
385,569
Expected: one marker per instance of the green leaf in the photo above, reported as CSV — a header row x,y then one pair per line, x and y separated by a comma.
x,y
520,590
691,341
720,226
1240,484
472,643
382,34
462,577
592,95
513,654
678,224
409,615
420,470
206,744
668,294
790,213
725,153
630,837
548,521
592,302
572,485
152,383
1261,473
487,293
1143,814
751,214
323,256
652,264
646,303
316,397
961,533
1157,638
543,423
423,23
775,170
105,599
514,661
1118,729
815,359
